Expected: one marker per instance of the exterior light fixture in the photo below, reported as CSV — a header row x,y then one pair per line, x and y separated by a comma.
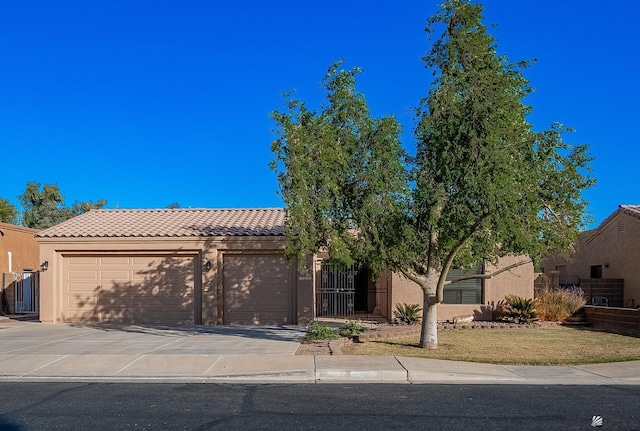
x,y
44,266
207,265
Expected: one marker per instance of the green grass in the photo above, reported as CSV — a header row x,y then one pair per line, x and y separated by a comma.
x,y
554,345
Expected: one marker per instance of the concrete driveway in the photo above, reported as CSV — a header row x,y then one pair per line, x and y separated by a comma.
x,y
32,338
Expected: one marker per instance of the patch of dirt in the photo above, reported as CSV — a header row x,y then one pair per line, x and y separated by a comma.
x,y
314,348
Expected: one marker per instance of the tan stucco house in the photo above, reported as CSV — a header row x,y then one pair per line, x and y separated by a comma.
x,y
609,252
219,266
19,263
19,251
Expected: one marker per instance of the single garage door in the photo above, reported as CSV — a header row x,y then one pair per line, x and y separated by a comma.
x,y
257,289
128,289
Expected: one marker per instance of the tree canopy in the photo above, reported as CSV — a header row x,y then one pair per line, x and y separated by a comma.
x,y
8,212
44,207
483,184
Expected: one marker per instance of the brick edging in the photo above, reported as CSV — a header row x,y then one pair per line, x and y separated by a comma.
x,y
413,330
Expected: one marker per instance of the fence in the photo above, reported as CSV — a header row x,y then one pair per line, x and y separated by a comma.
x,y
625,320
610,288
20,292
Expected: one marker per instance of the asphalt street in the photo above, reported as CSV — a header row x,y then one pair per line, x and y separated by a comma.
x,y
123,406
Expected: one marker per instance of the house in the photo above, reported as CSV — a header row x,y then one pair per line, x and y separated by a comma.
x,y
217,266
19,251
19,259
605,257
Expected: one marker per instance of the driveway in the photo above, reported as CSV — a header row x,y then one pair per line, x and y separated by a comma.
x,y
32,338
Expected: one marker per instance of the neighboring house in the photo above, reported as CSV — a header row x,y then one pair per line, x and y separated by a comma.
x,y
19,259
218,266
19,251
610,252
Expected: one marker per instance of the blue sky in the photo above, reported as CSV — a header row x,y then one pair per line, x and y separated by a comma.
x,y
145,103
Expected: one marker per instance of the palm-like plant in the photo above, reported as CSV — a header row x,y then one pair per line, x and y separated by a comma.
x,y
408,314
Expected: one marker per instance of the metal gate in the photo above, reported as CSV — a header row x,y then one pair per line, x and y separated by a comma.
x,y
336,293
20,292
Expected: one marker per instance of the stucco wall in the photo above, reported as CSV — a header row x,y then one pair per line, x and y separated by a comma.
x,y
20,241
518,281
208,283
616,246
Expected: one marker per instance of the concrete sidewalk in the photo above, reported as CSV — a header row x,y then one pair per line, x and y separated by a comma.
x,y
35,352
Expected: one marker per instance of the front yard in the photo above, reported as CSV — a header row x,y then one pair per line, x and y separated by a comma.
x,y
552,345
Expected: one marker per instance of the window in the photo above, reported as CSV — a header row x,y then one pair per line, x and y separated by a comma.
x,y
463,292
596,271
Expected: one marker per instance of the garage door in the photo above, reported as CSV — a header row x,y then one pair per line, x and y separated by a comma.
x,y
257,290
128,289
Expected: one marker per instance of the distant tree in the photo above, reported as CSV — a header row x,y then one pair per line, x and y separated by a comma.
x,y
482,185
43,208
174,205
8,212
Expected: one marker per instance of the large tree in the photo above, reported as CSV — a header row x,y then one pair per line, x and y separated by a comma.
x,y
8,212
43,208
483,183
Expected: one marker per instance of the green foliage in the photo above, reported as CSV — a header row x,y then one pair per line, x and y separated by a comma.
x,y
321,331
517,310
8,212
341,173
556,305
44,208
352,327
482,184
407,314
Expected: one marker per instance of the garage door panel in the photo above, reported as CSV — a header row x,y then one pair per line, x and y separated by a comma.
x,y
257,289
130,289
115,275
75,261
114,260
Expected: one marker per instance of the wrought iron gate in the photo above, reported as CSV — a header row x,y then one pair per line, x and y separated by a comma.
x,y
336,293
20,292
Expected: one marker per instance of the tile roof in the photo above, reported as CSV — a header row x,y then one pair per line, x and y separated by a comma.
x,y
122,223
632,210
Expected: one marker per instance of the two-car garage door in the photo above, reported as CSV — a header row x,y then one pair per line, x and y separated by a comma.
x,y
127,289
162,289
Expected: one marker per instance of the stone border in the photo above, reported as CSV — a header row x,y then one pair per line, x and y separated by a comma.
x,y
393,332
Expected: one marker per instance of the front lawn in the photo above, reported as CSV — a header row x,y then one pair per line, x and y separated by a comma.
x,y
553,345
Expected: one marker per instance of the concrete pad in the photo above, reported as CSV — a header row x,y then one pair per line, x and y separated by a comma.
x,y
616,370
84,366
276,368
168,365
17,365
346,368
421,370
556,375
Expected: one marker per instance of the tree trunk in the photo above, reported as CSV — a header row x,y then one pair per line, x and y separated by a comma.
x,y
429,332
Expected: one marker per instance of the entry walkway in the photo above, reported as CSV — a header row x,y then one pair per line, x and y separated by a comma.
x,y
31,351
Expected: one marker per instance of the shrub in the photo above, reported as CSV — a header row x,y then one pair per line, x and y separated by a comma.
x,y
408,314
320,331
558,304
352,327
517,310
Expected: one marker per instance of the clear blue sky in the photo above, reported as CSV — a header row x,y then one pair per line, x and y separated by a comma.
x,y
150,102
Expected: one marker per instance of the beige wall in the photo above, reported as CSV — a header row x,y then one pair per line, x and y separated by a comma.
x,y
21,243
517,281
208,283
615,245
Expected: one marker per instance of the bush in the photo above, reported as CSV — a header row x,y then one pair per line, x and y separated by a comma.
x,y
408,314
320,331
352,327
517,310
558,304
